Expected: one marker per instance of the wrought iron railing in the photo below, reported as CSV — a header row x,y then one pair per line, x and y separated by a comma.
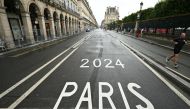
x,y
60,5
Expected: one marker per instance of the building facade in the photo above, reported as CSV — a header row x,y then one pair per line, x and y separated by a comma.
x,y
111,15
25,22
87,19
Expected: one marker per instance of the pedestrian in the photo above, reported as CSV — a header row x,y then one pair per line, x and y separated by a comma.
x,y
138,32
178,45
142,30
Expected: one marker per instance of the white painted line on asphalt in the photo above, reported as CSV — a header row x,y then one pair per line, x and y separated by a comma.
x,y
81,42
23,53
178,73
179,94
165,46
22,97
34,72
78,43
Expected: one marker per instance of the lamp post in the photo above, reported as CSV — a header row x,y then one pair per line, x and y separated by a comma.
x,y
138,19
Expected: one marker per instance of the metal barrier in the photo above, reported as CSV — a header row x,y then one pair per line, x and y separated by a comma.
x,y
2,45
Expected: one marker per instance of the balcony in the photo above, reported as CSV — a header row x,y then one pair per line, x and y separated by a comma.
x,y
60,5
55,3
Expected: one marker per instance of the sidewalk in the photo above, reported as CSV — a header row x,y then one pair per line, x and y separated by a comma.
x,y
36,46
151,51
161,42
154,53
164,41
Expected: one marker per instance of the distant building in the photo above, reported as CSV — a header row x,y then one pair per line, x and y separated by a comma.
x,y
87,18
111,15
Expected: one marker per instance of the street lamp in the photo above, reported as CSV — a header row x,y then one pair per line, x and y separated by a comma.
x,y
141,5
138,19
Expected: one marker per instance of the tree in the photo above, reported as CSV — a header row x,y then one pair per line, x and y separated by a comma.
x,y
161,9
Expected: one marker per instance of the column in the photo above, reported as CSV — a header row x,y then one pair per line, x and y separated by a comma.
x,y
28,27
59,28
69,28
64,28
74,27
78,27
42,27
5,28
52,28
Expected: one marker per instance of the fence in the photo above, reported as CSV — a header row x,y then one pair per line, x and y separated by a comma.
x,y
172,24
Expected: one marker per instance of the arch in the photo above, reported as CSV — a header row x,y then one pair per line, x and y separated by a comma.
x,y
66,24
47,14
69,19
34,11
33,3
61,17
47,17
55,16
55,19
11,4
62,24
14,9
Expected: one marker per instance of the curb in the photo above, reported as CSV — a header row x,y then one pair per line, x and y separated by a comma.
x,y
179,81
37,46
185,52
32,47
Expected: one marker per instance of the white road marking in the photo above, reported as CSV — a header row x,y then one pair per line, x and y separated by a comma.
x,y
66,94
132,87
123,96
23,53
36,71
178,73
105,95
23,96
88,99
186,100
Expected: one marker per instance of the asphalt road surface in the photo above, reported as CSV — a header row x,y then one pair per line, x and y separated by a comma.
x,y
92,70
158,53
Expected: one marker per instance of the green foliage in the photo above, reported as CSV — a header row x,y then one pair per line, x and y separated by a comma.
x,y
162,9
147,14
130,18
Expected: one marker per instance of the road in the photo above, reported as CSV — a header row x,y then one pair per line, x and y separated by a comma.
x,y
92,70
158,53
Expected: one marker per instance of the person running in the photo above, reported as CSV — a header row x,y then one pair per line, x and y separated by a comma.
x,y
179,43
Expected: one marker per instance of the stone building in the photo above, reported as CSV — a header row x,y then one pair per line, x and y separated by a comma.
x,y
111,15
30,21
87,18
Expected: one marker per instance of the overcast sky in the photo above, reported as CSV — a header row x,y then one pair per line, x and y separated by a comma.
x,y
126,7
